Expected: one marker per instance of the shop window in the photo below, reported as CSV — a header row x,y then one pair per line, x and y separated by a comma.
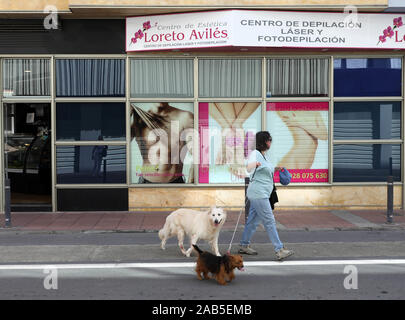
x,y
367,77
26,77
230,78
227,137
90,164
90,121
297,78
90,77
161,142
170,78
366,162
299,139
367,120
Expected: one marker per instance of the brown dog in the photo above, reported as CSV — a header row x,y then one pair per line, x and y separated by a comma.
x,y
221,267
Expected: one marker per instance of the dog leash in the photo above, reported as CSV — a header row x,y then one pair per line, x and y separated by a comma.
x,y
234,231
237,222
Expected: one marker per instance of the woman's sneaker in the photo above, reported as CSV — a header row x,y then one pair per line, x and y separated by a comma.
x,y
284,253
247,250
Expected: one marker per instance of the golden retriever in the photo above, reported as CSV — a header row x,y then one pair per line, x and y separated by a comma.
x,y
196,225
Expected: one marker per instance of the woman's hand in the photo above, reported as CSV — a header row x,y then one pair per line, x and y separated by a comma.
x,y
278,168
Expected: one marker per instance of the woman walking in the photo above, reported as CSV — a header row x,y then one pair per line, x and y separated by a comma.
x,y
258,193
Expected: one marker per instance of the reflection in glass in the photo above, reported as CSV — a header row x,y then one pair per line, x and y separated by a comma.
x,y
90,164
367,77
366,162
367,120
27,147
88,121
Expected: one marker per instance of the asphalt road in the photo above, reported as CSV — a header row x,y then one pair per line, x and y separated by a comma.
x,y
374,281
132,266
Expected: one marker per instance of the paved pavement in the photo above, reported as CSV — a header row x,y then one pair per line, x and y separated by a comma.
x,y
152,221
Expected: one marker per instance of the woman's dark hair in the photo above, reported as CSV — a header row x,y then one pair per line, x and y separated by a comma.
x,y
261,138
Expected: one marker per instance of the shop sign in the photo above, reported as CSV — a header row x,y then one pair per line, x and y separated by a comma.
x,y
257,28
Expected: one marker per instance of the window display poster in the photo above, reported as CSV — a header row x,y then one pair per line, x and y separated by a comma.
x,y
161,142
300,139
227,136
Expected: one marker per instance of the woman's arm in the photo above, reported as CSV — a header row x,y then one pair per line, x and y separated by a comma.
x,y
252,166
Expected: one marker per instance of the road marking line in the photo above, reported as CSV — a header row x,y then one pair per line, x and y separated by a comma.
x,y
192,264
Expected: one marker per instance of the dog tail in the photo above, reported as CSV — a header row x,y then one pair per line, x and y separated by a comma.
x,y
197,249
161,234
164,232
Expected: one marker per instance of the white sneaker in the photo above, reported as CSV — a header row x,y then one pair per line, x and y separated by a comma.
x,y
247,250
284,253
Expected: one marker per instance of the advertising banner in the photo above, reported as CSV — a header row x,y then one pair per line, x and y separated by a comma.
x,y
300,139
161,142
177,31
227,136
259,28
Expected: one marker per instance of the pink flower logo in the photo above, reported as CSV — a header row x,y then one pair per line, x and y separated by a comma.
x,y
146,25
398,22
141,32
389,32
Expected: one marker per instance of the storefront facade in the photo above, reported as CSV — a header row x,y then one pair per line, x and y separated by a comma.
x,y
84,118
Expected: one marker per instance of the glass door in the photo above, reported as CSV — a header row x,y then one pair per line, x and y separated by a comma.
x,y
27,152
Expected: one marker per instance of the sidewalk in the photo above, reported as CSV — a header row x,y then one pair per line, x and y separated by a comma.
x,y
153,221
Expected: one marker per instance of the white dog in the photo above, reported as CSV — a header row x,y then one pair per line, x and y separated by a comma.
x,y
196,225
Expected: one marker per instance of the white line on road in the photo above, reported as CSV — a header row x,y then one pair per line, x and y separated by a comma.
x,y
192,264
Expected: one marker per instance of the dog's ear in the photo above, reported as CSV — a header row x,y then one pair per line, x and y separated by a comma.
x,y
211,209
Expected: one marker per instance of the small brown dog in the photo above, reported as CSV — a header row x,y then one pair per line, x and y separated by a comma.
x,y
222,267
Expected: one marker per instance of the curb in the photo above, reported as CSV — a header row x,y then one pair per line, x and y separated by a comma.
x,y
388,227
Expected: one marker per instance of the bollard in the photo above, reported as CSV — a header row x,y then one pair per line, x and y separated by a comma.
x,y
247,204
390,199
7,206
